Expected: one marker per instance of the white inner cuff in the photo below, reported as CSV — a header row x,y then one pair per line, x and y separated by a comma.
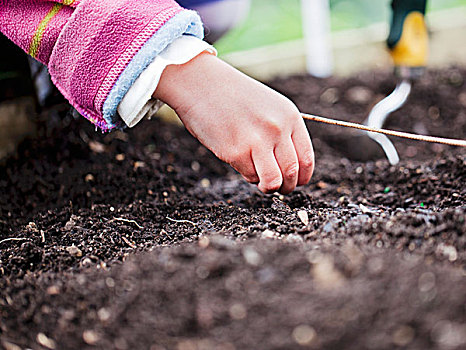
x,y
138,101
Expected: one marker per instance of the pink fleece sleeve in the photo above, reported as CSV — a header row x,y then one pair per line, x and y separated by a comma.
x,y
34,25
87,44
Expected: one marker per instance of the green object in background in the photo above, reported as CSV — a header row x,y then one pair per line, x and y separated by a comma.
x,y
274,21
268,22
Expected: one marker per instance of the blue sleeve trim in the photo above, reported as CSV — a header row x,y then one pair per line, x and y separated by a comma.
x,y
186,22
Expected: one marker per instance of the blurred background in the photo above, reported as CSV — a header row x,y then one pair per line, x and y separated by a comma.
x,y
274,21
270,40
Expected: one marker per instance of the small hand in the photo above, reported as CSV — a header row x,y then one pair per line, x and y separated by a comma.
x,y
243,122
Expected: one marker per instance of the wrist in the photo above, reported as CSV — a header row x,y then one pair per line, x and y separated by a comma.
x,y
180,83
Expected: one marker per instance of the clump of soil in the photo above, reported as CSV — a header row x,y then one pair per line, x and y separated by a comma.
x,y
145,240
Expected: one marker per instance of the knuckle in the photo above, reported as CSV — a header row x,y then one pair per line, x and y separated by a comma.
x,y
291,171
274,128
308,160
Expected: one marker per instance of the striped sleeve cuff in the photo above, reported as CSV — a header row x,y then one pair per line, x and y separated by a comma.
x,y
185,22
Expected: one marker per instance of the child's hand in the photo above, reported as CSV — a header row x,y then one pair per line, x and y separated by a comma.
x,y
243,122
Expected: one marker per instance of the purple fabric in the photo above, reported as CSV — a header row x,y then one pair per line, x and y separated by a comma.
x,y
190,4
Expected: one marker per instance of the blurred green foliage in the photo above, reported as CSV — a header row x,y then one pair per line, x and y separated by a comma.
x,y
273,21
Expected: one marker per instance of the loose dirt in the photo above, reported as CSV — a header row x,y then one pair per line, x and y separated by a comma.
x,y
144,240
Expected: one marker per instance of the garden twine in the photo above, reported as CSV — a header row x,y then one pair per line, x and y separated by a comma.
x,y
406,135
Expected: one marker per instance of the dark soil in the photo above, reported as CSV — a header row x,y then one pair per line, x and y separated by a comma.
x,y
144,240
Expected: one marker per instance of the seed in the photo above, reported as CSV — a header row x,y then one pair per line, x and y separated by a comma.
x,y
237,311
302,214
90,337
205,183
403,336
45,341
269,234
53,290
304,334
251,256
74,251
